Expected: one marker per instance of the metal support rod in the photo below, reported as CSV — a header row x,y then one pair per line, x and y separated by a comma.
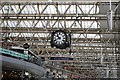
x,y
110,5
111,13
102,55
107,72
111,18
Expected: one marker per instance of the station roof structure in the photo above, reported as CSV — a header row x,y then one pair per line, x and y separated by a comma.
x,y
28,21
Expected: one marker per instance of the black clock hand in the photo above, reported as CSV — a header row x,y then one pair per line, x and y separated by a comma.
x,y
58,36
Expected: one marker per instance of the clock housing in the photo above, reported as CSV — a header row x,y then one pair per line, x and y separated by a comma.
x,y
60,39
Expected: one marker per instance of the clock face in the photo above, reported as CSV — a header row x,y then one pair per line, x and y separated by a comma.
x,y
59,38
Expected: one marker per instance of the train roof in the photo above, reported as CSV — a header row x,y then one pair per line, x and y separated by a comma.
x,y
21,48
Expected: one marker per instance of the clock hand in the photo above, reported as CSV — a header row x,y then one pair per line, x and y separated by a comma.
x,y
58,37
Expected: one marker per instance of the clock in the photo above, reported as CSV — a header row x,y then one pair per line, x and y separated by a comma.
x,y
59,39
26,45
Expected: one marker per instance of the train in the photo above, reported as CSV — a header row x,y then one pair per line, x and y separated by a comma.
x,y
19,53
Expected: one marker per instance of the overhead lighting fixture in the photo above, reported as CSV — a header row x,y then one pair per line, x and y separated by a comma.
x,y
26,73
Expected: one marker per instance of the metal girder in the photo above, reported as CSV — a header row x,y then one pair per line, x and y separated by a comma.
x,y
84,1
52,17
93,56
78,61
53,50
79,39
75,31
58,3
58,15
61,18
31,19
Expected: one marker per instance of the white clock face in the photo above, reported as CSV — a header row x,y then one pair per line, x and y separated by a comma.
x,y
59,38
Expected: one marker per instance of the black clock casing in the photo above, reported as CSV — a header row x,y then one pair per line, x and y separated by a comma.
x,y
60,39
